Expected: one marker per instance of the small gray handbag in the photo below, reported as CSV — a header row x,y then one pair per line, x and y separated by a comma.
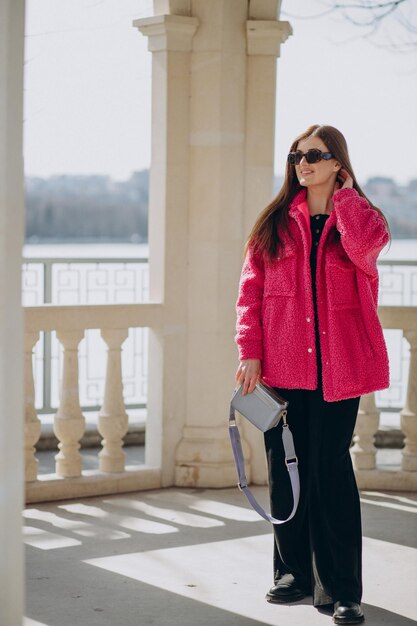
x,y
264,408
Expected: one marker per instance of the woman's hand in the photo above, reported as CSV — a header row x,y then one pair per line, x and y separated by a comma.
x,y
343,181
248,373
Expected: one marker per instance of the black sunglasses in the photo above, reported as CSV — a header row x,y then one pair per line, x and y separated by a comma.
x,y
312,156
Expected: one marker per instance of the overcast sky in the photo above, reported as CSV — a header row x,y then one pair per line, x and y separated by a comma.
x,y
87,90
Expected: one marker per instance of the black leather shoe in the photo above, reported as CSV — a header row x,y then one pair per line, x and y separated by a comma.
x,y
285,590
347,613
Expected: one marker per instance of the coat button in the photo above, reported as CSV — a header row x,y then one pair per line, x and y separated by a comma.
x,y
324,332
310,350
308,319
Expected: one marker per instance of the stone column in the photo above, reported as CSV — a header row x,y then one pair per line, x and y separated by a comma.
x,y
264,37
32,422
169,39
203,179
367,423
12,20
69,422
113,419
217,148
231,147
409,413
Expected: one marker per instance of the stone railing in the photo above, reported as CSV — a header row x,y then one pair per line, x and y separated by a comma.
x,y
90,279
69,480
79,280
368,475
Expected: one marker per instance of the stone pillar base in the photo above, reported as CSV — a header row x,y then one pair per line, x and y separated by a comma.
x,y
204,458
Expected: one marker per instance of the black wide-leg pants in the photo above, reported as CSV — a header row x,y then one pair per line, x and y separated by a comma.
x,y
322,545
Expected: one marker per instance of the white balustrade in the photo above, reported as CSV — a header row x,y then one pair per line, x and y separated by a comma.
x,y
70,323
69,422
368,474
409,413
113,419
32,422
364,451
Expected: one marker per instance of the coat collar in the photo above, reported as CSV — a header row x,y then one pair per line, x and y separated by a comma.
x,y
299,197
299,205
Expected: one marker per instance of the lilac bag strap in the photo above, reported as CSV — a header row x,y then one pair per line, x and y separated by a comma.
x,y
291,462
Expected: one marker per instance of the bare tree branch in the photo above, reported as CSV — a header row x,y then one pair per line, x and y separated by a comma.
x,y
390,5
370,15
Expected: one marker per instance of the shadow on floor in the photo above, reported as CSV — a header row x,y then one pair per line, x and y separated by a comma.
x,y
195,557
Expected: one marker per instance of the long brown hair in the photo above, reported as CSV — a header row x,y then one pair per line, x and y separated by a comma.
x,y
272,222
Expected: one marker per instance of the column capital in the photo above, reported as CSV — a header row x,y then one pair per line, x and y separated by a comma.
x,y
168,32
172,7
266,36
264,9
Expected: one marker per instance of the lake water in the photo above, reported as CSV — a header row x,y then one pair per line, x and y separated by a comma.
x,y
86,250
400,249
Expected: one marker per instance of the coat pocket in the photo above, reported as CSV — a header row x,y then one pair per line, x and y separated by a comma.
x,y
365,342
280,275
343,292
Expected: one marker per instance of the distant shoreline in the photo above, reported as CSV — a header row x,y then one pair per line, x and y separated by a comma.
x,y
400,249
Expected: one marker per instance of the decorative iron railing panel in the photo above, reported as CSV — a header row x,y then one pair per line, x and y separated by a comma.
x,y
87,281
126,280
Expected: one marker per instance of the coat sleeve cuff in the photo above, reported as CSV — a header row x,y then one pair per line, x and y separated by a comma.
x,y
346,193
251,350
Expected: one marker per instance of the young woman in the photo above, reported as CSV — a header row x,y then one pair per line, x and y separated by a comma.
x,y
307,325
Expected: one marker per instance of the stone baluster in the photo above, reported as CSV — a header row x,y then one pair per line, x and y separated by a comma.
x,y
113,419
364,451
409,413
32,422
69,422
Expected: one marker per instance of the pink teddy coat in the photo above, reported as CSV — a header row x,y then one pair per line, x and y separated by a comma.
x,y
275,310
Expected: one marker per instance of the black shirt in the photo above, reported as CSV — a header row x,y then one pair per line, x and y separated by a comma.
x,y
317,223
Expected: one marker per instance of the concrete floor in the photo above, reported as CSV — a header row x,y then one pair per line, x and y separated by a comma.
x,y
194,558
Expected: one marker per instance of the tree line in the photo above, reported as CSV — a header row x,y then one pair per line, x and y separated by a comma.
x,y
99,209
87,208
